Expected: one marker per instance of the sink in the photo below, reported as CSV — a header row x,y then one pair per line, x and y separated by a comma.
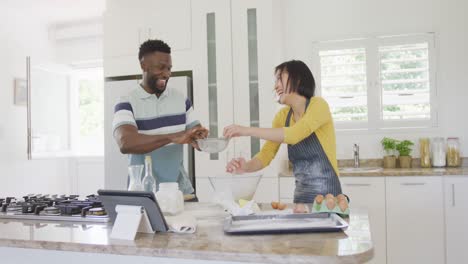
x,y
361,169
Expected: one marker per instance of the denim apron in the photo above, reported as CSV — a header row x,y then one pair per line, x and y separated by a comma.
x,y
313,171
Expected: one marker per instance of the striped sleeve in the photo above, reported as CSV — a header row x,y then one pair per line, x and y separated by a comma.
x,y
191,119
123,114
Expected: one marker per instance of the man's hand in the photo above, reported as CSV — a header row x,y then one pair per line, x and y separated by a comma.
x,y
190,136
195,145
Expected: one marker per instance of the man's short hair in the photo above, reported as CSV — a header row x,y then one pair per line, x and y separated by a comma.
x,y
153,45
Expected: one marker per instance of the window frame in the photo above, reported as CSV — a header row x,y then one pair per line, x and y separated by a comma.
x,y
371,45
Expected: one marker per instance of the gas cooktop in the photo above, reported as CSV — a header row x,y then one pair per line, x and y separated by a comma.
x,y
54,208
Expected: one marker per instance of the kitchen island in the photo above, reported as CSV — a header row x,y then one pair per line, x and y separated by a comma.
x,y
30,241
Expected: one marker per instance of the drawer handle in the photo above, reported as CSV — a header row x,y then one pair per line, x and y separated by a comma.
x,y
453,195
413,183
358,184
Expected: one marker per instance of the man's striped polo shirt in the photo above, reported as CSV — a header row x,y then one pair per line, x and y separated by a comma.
x,y
170,113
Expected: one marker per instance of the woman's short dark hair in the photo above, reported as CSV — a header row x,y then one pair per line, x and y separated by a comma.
x,y
300,78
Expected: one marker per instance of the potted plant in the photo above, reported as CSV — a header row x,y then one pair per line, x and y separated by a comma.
x,y
389,146
404,148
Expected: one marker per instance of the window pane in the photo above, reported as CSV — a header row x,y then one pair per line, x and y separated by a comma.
x,y
212,82
253,77
344,83
91,113
404,75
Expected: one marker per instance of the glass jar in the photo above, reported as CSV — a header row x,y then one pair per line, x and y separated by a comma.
x,y
453,152
170,198
424,151
438,152
134,174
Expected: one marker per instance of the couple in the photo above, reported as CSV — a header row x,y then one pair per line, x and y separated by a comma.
x,y
154,121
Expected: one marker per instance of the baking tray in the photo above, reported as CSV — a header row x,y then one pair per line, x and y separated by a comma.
x,y
284,223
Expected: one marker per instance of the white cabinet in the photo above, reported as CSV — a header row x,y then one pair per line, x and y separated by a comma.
x,y
267,190
286,189
456,218
369,193
212,78
127,24
415,220
232,76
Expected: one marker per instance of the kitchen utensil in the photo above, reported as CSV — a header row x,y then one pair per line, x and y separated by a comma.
x,y
284,223
213,145
234,187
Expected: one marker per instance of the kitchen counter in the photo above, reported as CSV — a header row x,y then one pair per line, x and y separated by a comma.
x,y
399,172
208,243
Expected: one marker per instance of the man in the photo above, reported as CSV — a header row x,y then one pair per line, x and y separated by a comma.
x,y
156,121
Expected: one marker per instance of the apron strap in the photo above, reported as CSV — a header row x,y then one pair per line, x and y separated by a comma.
x,y
288,118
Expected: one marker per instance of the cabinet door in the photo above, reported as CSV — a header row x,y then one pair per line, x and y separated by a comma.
x,y
123,30
456,217
415,220
369,193
169,21
286,188
127,24
267,190
212,77
252,24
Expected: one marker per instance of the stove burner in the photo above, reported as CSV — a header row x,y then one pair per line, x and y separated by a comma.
x,y
53,205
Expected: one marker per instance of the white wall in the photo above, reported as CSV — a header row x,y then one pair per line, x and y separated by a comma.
x,y
315,20
23,33
78,42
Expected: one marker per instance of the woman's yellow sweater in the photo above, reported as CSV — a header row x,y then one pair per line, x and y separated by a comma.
x,y
317,119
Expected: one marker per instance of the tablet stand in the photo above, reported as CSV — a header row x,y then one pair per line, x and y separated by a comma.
x,y
129,220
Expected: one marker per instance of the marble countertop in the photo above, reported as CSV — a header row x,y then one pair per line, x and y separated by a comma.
x,y
208,243
463,171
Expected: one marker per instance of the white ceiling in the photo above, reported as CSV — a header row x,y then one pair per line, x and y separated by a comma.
x,y
57,11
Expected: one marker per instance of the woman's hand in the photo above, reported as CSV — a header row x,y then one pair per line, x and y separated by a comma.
x,y
237,166
300,208
235,131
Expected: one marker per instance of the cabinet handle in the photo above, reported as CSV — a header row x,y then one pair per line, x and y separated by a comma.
x,y
28,104
413,183
358,184
453,195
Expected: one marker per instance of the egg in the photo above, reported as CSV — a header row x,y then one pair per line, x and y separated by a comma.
x,y
300,209
343,204
340,197
319,199
282,206
274,205
331,203
328,196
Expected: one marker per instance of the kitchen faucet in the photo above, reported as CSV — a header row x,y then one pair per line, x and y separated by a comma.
x,y
356,155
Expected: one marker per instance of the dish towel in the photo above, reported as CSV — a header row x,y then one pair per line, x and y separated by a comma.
x,y
183,223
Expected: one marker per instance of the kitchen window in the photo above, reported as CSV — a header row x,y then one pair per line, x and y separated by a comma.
x,y
87,111
377,83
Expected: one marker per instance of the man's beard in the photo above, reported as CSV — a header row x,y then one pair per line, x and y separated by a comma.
x,y
153,85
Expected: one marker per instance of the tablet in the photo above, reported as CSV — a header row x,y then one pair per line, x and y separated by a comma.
x,y
111,198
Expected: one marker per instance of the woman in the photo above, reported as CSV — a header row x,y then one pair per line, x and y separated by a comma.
x,y
306,125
